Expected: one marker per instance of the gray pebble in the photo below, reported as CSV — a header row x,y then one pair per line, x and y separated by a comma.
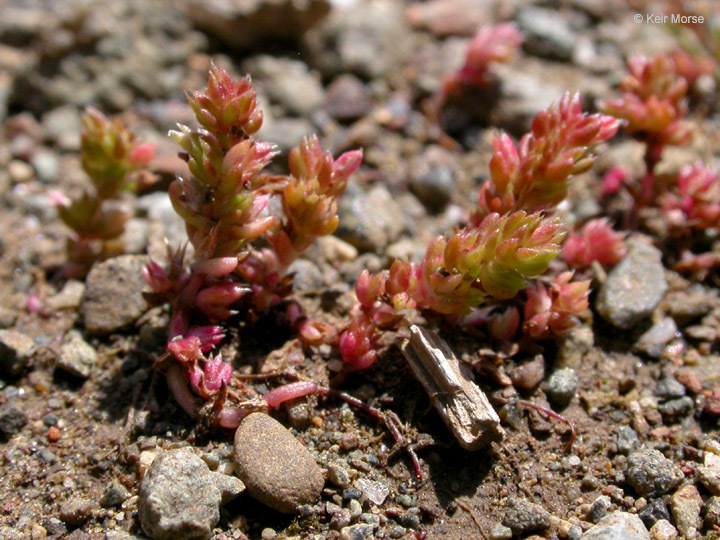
x,y
434,188
711,512
634,288
561,387
369,221
653,512
347,98
263,450
76,356
410,520
677,407
12,418
340,519
398,531
618,526
669,388
360,531
547,33
115,495
16,351
113,298
652,342
69,297
522,516
626,439
599,508
651,474
76,511
338,475
178,498
501,532
46,164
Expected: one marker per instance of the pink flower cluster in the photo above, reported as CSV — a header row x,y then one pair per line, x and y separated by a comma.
x,y
595,242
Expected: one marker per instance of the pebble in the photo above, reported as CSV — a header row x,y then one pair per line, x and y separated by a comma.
x,y
263,449
115,495
113,298
76,356
338,475
561,387
347,98
599,508
69,297
574,347
677,407
634,288
669,388
501,532
75,512
711,513
12,418
653,512
16,351
360,531
626,439
179,499
709,473
663,530
522,516
20,172
434,188
372,490
46,164
369,221
653,341
340,519
686,504
355,508
618,526
652,474
546,33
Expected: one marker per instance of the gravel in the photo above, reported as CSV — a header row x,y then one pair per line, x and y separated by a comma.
x,y
663,530
113,299
652,474
179,499
634,288
711,512
77,356
16,351
653,341
686,504
546,33
618,526
653,512
12,418
709,473
523,517
369,221
561,387
263,450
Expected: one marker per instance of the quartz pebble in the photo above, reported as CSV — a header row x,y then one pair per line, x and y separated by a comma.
x,y
616,526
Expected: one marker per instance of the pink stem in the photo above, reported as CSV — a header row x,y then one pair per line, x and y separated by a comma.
x,y
231,417
180,391
290,391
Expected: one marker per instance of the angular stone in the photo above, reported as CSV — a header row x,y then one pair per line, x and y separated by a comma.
x,y
634,288
77,356
16,350
618,526
113,298
179,499
652,474
276,468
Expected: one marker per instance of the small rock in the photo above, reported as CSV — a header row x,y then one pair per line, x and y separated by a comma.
x,y
228,486
574,346
653,341
663,530
10,533
12,418
46,164
501,532
69,297
355,508
634,288
338,475
347,99
434,188
561,387
709,473
77,356
178,497
712,403
546,33
263,449
653,512
115,495
626,439
522,516
677,407
360,531
529,375
113,298
686,504
306,275
669,388
373,491
711,513
369,221
16,351
599,508
76,511
618,526
340,519
20,172
652,474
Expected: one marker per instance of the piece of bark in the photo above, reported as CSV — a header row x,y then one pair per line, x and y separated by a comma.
x,y
463,407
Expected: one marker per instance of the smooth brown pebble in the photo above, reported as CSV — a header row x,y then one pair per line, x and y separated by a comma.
x,y
275,467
